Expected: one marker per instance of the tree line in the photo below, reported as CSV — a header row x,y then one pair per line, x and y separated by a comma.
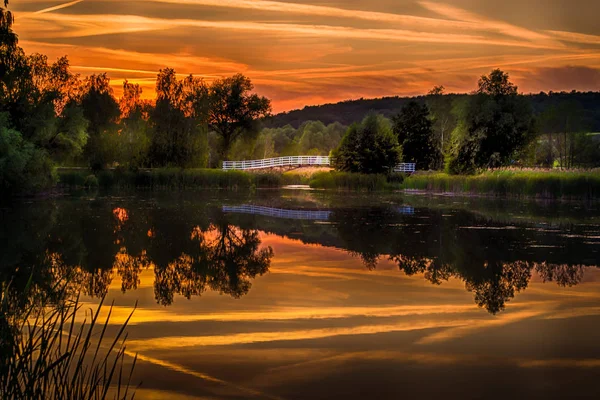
x,y
493,127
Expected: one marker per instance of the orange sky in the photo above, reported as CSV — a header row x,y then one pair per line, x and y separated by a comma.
x,y
303,52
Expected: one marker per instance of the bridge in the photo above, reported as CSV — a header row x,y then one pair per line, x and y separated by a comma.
x,y
297,161
312,215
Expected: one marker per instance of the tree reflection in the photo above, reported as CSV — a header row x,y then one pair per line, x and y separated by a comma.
x,y
94,244
224,259
495,262
192,250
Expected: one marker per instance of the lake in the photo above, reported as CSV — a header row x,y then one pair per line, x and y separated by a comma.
x,y
292,294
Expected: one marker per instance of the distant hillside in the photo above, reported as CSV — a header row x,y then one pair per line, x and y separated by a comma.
x,y
350,111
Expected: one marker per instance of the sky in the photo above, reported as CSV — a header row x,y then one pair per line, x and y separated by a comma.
x,y
306,52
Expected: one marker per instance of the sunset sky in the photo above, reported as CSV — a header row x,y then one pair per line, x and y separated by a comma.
x,y
304,52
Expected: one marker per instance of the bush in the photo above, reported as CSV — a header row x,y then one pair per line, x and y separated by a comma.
x,y
72,178
91,182
268,180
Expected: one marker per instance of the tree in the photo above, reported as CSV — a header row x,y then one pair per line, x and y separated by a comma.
x,y
567,125
493,125
179,126
102,111
369,147
444,121
234,110
497,83
134,135
24,168
415,134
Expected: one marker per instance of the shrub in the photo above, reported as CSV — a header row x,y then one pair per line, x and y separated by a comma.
x,y
91,182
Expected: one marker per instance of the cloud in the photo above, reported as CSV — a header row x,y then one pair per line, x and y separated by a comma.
x,y
82,25
58,7
565,78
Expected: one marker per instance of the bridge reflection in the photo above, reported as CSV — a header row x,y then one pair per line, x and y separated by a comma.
x,y
311,215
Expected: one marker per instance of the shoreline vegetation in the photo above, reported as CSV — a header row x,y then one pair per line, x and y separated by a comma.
x,y
567,185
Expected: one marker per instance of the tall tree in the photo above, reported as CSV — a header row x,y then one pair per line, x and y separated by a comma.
x,y
369,147
179,121
235,110
415,134
101,109
134,135
444,121
495,124
497,83
567,125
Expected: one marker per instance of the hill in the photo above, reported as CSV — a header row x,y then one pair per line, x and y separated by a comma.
x,y
350,111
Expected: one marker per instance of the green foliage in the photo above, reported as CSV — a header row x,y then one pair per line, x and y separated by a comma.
x,y
179,128
234,110
542,184
355,181
495,124
24,169
443,119
169,178
415,134
566,140
91,182
369,147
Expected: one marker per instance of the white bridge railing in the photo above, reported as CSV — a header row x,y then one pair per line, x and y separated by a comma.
x,y
323,161
277,162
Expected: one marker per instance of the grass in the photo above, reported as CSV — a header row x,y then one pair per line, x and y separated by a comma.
x,y
513,183
354,181
48,354
169,178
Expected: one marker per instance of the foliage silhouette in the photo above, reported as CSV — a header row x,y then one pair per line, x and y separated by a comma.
x,y
369,147
415,134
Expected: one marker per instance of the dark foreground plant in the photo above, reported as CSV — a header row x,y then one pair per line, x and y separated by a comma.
x,y
47,353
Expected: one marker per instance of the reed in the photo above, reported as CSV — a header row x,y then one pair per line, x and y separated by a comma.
x,y
171,178
354,181
47,353
513,183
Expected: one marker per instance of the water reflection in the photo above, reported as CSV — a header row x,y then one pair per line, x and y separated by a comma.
x,y
193,247
90,246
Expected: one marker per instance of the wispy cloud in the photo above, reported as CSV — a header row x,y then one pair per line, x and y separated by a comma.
x,y
58,7
81,25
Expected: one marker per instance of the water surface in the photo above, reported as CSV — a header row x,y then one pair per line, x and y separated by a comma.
x,y
297,294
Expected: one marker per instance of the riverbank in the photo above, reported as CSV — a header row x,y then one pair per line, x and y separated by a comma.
x,y
580,185
576,185
169,178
